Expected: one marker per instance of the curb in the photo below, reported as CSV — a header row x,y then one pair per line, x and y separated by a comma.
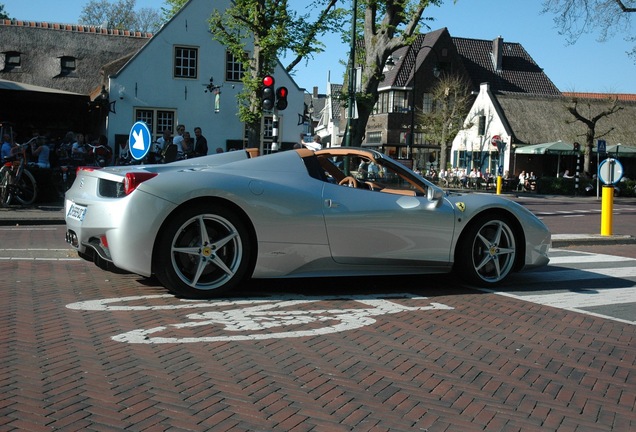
x,y
562,240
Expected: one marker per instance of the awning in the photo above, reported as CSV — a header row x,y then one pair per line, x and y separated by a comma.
x,y
17,86
556,147
619,151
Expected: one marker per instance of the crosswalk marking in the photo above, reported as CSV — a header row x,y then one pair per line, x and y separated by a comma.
x,y
586,298
576,259
591,295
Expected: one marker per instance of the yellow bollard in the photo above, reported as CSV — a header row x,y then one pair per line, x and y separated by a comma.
x,y
499,183
607,210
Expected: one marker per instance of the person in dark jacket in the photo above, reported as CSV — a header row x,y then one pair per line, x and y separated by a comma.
x,y
200,143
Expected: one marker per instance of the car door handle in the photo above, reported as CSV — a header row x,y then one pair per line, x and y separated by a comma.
x,y
331,204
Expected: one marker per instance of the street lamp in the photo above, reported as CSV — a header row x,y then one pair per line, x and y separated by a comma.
x,y
436,72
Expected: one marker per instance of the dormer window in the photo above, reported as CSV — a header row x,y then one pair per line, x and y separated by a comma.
x,y
68,66
12,61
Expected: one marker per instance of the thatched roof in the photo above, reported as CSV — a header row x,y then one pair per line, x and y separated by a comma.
x,y
41,47
540,119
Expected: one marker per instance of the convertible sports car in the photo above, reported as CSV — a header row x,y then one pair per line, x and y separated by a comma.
x,y
202,226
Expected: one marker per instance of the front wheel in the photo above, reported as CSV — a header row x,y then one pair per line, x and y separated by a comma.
x,y
486,255
203,252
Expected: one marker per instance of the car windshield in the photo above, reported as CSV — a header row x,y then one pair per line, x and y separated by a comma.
x,y
370,173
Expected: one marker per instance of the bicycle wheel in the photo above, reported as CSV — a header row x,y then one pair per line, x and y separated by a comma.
x,y
26,189
6,180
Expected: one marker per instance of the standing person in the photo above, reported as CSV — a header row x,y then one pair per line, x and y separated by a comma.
x,y
9,148
200,144
178,140
41,150
522,181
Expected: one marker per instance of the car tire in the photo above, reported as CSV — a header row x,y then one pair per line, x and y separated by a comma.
x,y
203,252
486,254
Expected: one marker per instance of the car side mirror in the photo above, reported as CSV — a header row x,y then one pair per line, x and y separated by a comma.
x,y
434,194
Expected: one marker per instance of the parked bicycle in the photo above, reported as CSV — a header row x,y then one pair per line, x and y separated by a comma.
x,y
16,181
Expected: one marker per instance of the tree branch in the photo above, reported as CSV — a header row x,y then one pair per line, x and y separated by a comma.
x,y
624,8
310,36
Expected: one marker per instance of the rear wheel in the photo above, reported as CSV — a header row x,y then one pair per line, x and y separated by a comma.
x,y
27,189
203,252
486,255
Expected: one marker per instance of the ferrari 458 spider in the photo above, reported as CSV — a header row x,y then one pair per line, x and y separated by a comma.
x,y
203,226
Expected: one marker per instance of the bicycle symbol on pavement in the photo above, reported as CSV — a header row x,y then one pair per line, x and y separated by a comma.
x,y
271,317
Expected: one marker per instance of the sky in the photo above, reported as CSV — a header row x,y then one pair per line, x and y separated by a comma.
x,y
586,66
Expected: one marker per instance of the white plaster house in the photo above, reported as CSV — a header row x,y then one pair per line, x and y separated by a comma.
x,y
166,84
328,127
484,121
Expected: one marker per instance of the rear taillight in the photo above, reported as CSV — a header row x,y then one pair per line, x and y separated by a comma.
x,y
134,179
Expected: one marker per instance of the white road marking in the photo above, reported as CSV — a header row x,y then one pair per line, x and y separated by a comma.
x,y
273,317
582,296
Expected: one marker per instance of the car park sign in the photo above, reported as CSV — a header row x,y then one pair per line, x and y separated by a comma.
x,y
139,140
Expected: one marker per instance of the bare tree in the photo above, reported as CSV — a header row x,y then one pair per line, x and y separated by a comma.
x,y
587,113
451,104
607,17
120,15
148,20
112,15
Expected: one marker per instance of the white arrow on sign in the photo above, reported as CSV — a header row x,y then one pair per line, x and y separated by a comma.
x,y
139,140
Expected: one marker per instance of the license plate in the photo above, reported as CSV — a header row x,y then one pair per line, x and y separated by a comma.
x,y
76,212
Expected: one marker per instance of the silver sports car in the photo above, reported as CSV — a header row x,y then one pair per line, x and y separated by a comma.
x,y
203,226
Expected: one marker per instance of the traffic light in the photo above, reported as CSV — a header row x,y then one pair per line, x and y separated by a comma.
x,y
281,98
577,146
268,96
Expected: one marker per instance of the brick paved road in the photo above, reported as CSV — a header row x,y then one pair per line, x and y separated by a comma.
x,y
455,360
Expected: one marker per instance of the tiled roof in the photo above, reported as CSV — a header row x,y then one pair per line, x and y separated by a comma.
x,y
402,74
518,74
74,28
406,57
619,96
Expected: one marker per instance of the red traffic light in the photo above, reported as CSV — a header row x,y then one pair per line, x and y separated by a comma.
x,y
268,81
268,98
281,98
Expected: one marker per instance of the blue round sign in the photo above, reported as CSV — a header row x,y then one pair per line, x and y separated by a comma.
x,y
139,140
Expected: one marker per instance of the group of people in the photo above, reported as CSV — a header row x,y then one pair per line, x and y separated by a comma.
x,y
464,178
186,146
45,153
527,181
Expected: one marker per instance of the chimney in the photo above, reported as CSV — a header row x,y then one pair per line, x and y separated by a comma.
x,y
497,53
315,95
